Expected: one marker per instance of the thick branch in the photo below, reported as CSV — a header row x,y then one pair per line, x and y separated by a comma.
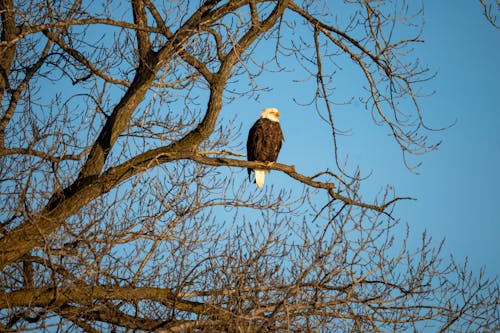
x,y
140,18
117,122
8,34
149,66
108,314
289,170
207,125
41,297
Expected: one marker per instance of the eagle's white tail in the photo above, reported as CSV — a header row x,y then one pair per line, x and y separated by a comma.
x,y
260,175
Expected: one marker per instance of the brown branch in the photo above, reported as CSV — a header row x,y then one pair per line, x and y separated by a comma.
x,y
145,74
140,18
17,93
8,35
82,59
42,155
29,30
117,122
406,140
290,171
41,297
317,23
488,13
206,126
183,53
158,19
109,314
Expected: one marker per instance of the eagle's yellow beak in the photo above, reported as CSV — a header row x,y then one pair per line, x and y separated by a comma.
x,y
277,113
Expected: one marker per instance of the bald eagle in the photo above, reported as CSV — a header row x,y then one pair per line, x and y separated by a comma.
x,y
264,142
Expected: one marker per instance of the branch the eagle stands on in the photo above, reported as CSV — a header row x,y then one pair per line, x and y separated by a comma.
x,y
290,170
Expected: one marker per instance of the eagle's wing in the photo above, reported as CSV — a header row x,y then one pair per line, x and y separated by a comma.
x,y
255,142
264,141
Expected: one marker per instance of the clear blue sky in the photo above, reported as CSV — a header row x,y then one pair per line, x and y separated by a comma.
x,y
457,185
457,188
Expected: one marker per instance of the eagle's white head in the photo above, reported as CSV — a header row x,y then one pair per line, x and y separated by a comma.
x,y
271,114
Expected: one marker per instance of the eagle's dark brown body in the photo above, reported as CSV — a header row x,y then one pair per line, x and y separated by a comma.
x,y
264,141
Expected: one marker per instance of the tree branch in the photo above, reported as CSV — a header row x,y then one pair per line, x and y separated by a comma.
x,y
83,60
41,297
143,42
9,32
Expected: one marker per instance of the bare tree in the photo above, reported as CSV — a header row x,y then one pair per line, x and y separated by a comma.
x,y
125,202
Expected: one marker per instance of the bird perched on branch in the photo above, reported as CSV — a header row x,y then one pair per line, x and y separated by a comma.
x,y
264,142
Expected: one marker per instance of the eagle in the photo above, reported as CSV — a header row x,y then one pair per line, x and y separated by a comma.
x,y
264,142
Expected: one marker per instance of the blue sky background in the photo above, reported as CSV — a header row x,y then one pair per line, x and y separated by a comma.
x,y
457,186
